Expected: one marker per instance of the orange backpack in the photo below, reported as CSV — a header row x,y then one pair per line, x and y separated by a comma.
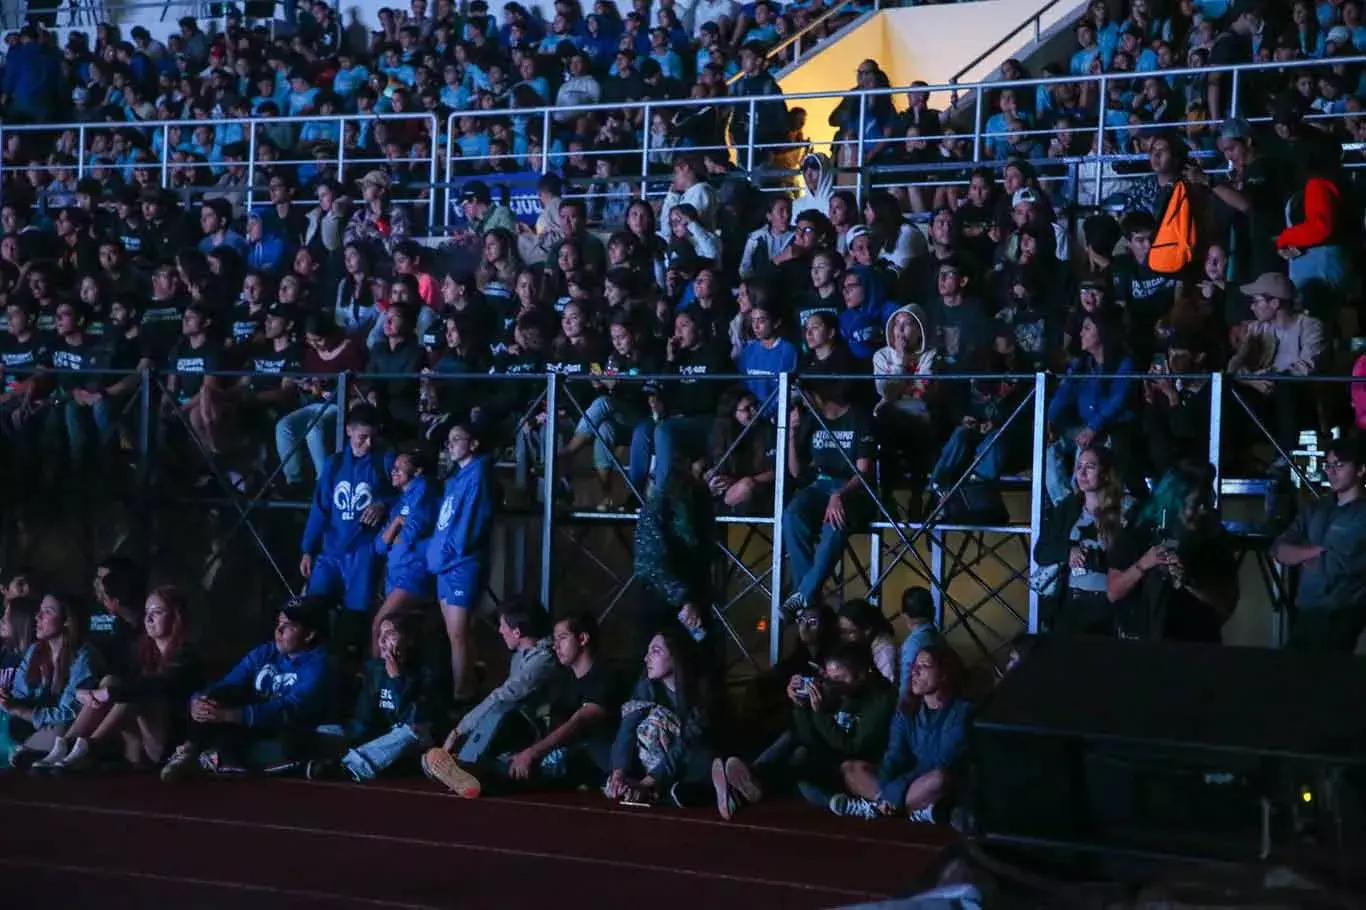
x,y
1174,243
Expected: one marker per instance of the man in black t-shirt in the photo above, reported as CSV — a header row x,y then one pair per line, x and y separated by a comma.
x,y
270,388
1231,47
585,702
833,459
77,399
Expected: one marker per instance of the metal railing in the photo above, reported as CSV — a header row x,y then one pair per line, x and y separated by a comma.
x,y
750,154
563,401
1035,22
252,129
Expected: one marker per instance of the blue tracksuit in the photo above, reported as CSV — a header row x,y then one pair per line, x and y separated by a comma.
x,y
290,691
407,566
343,548
458,552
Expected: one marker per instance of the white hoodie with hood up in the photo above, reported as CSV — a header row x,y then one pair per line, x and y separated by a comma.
x,y
818,198
905,395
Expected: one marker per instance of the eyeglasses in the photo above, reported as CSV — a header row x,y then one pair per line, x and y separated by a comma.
x,y
1335,465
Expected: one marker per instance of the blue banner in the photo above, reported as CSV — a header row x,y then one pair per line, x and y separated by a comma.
x,y
516,191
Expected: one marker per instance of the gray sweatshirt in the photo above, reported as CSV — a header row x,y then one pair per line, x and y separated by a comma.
x,y
531,669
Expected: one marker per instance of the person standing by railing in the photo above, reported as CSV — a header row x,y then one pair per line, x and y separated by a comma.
x,y
770,117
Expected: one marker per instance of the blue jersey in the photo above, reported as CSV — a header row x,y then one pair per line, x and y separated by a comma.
x,y
347,487
464,525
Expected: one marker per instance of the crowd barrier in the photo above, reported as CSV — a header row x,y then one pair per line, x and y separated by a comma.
x,y
752,153
530,463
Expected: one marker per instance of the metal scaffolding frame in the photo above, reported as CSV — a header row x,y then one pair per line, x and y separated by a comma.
x,y
944,554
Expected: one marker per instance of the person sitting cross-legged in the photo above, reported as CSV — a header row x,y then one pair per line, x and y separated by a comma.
x,y
924,751
393,716
499,718
838,718
265,712
585,702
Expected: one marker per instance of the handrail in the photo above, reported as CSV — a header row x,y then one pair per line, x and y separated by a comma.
x,y
796,38
1036,19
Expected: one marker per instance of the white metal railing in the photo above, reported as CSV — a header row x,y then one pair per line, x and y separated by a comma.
x,y
251,136
749,153
1034,22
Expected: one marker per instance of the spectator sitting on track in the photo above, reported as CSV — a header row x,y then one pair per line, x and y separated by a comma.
x,y
917,605
145,710
585,702
350,502
40,701
925,749
394,711
16,635
839,716
505,713
407,583
662,751
264,713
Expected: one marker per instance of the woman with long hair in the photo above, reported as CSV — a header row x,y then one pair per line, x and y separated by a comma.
x,y
1074,547
863,625
925,749
41,701
1173,574
146,711
662,751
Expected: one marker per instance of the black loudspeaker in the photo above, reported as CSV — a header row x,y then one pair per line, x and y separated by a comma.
x,y
1164,749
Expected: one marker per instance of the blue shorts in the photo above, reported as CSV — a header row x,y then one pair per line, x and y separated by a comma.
x,y
460,589
349,577
415,579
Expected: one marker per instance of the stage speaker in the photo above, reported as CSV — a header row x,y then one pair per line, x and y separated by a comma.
x,y
1162,749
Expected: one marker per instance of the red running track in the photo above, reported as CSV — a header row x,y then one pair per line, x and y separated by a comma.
x,y
133,842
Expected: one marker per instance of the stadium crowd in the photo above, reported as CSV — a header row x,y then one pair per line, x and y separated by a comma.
x,y
1232,248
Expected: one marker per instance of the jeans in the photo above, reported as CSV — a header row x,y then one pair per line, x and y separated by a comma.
x,y
317,424
368,760
962,447
814,546
606,419
74,420
660,438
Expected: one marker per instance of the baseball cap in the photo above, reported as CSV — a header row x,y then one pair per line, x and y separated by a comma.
x,y
1270,284
310,611
476,191
1237,128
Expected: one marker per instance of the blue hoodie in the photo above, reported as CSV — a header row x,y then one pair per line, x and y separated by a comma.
x,y
347,486
862,326
464,524
1098,403
417,505
294,690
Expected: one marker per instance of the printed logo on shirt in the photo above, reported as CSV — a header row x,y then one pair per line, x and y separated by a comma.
x,y
270,681
351,502
447,513
387,702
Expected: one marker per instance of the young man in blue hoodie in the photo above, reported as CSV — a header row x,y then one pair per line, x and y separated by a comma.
x,y
264,713
407,583
349,506
458,553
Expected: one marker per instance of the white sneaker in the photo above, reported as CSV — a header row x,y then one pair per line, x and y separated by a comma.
x,y
924,816
853,806
59,750
794,604
80,757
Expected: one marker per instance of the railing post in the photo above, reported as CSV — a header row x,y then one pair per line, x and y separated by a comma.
x,y
1232,97
341,155
446,211
1037,490
343,383
749,141
775,584
1216,430
80,151
858,147
645,151
1099,154
251,169
144,470
545,141
978,124
165,156
549,450
432,172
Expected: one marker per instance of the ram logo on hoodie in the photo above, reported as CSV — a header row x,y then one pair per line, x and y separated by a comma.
x,y
270,681
443,519
351,502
